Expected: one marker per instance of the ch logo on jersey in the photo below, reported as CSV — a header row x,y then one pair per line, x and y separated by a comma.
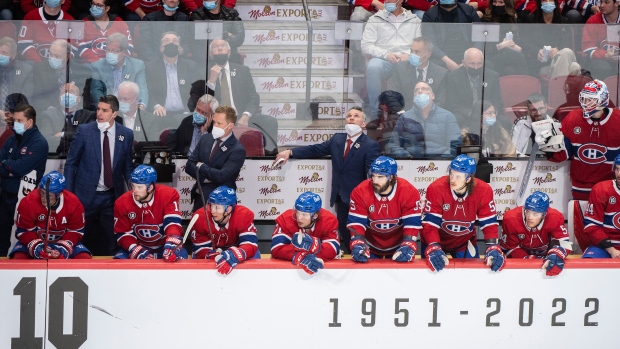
x,y
616,220
43,50
147,232
592,153
456,228
98,46
612,200
446,207
54,235
384,226
41,217
131,215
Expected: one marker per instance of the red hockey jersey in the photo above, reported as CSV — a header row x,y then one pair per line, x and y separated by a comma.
x,y
92,47
325,229
592,146
36,34
518,241
449,220
66,221
385,220
594,39
239,231
602,217
147,224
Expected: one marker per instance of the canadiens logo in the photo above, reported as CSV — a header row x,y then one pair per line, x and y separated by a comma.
x,y
502,169
591,153
307,179
98,46
147,232
23,150
616,220
269,213
456,228
612,200
521,236
274,189
446,207
371,209
548,179
507,190
41,217
131,215
577,130
431,167
384,226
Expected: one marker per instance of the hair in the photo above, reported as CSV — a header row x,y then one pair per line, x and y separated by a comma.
x,y
535,98
14,100
509,17
169,32
111,100
67,88
119,39
28,111
209,100
107,3
428,44
496,134
393,94
10,42
60,42
132,85
539,14
469,186
211,44
231,114
358,108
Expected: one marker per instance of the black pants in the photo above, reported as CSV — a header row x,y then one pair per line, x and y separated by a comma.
x,y
8,201
342,213
99,229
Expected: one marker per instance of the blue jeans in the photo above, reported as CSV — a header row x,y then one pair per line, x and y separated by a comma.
x,y
378,70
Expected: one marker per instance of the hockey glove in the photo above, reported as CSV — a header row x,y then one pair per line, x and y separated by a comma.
x,y
549,135
172,248
35,249
554,261
213,253
435,257
309,262
139,252
359,250
494,258
306,243
406,251
229,259
64,248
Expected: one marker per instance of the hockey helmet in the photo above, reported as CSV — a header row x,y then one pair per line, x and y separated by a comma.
x,y
616,161
144,174
593,97
308,202
223,195
537,202
463,163
384,165
57,182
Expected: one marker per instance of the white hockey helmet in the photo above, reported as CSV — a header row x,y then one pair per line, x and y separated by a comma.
x,y
593,97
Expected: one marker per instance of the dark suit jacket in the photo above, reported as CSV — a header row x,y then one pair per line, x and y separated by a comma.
x,y
180,139
438,33
460,97
405,78
222,169
152,127
81,116
158,82
103,78
20,75
84,162
46,90
346,174
53,120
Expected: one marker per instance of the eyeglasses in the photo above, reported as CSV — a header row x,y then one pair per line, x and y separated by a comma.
x,y
97,5
422,89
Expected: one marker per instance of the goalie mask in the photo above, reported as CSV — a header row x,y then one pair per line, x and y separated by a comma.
x,y
593,97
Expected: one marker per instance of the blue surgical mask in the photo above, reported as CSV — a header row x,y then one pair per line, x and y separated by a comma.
x,y
124,107
111,58
55,63
547,7
209,5
447,2
19,128
170,9
4,60
68,100
52,3
390,7
422,100
414,60
490,121
96,11
199,119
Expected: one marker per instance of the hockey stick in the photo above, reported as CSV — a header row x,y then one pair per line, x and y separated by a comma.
x,y
50,253
528,172
204,205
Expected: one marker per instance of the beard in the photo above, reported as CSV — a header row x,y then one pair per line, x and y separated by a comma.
x,y
381,188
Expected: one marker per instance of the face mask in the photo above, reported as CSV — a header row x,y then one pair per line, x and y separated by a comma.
x,y
68,100
422,100
447,2
170,9
124,107
499,10
548,7
52,3
352,129
171,50
111,58
220,59
19,128
55,63
390,7
209,5
102,126
4,60
199,119
217,132
96,11
489,121
474,73
414,60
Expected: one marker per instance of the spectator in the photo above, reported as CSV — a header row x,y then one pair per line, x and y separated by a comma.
x,y
233,31
15,76
483,115
418,68
29,5
522,133
39,30
7,8
193,5
11,102
137,9
145,126
193,127
380,130
496,142
97,27
425,130
387,37
603,55
117,67
32,155
155,24
578,11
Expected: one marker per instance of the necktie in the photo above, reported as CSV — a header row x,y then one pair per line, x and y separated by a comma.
x,y
107,162
217,146
346,150
474,88
225,90
420,74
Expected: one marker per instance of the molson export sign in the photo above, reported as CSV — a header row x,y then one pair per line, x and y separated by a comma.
x,y
277,37
331,84
286,13
320,60
305,137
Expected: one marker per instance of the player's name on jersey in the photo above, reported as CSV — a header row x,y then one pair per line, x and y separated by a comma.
x,y
277,37
286,13
298,60
318,83
288,110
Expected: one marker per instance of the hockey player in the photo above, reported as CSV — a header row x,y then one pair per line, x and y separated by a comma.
x,y
453,203
588,136
384,215
147,220
306,235
227,232
602,218
66,223
535,230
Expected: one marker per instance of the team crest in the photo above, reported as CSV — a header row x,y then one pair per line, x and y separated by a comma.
x,y
23,150
521,236
371,209
147,232
612,200
131,215
577,130
446,207
41,217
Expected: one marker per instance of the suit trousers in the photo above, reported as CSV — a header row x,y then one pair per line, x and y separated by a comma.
x,y
342,213
99,229
8,202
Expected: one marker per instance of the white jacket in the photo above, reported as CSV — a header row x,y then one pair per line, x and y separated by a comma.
x,y
382,36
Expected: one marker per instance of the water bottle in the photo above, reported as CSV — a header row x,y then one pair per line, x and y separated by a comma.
x,y
545,53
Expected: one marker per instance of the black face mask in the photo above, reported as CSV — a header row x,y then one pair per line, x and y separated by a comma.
x,y
220,59
171,50
474,73
499,10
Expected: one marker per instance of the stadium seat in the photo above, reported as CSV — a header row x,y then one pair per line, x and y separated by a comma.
x,y
561,112
556,95
612,86
251,139
8,29
516,88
